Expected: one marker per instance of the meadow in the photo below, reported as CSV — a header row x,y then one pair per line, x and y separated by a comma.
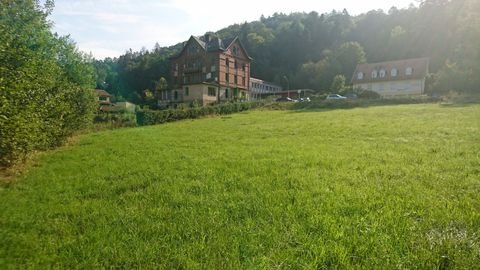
x,y
387,187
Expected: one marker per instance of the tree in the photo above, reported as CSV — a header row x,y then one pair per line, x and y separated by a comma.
x,y
348,55
338,83
161,84
453,78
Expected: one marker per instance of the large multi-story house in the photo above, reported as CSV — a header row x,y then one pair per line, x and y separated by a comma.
x,y
393,78
208,70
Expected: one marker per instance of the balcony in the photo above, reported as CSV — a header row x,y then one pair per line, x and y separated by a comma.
x,y
192,70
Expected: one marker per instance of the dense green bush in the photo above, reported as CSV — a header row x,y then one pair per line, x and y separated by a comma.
x,y
151,117
116,119
44,82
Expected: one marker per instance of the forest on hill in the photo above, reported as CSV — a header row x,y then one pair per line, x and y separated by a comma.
x,y
307,50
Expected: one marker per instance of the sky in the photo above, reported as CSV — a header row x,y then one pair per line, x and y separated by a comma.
x,y
108,28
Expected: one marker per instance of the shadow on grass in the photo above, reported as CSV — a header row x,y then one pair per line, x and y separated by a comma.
x,y
458,105
329,105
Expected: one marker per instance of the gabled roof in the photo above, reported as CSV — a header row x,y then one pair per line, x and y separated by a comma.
x,y
212,44
102,93
419,70
232,41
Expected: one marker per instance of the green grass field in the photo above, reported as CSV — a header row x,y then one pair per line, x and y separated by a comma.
x,y
394,187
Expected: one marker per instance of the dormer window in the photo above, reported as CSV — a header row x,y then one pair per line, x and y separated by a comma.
x,y
374,74
382,73
409,71
394,72
360,75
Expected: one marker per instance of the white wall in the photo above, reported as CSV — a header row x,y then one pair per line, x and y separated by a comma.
x,y
395,88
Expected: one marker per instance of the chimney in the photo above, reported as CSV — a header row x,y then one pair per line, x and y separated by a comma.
x,y
207,37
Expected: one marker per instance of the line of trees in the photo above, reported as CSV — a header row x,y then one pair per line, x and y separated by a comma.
x,y
45,82
307,50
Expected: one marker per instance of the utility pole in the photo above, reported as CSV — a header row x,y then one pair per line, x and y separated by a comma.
x,y
288,85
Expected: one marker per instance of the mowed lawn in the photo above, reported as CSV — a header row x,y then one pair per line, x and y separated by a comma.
x,y
394,187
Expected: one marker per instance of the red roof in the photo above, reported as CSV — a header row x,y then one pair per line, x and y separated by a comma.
x,y
417,66
102,93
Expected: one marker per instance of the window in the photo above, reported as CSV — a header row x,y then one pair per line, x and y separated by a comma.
x,y
234,50
408,71
243,67
213,68
235,79
175,95
235,64
226,92
382,73
360,75
243,80
394,72
187,91
227,62
374,74
227,77
212,92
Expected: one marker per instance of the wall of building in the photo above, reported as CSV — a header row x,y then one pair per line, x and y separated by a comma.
x,y
236,74
259,88
395,88
196,92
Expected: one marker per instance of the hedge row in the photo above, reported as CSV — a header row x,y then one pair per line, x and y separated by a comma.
x,y
116,119
45,83
151,117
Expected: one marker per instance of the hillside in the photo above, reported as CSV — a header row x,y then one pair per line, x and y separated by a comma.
x,y
307,50
367,188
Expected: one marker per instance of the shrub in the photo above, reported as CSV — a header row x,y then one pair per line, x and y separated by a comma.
x,y
116,119
151,117
44,83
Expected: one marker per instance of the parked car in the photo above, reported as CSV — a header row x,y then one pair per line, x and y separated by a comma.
x,y
306,99
286,99
335,96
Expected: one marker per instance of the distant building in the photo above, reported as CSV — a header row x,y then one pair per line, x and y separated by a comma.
x,y
207,70
106,105
124,106
103,97
260,88
393,78
104,101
